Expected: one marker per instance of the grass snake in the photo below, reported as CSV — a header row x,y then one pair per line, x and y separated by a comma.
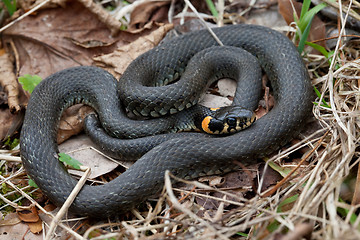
x,y
185,155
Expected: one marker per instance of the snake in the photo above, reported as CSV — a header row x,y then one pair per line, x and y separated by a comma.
x,y
185,155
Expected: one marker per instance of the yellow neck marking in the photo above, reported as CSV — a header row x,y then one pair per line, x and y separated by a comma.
x,y
205,124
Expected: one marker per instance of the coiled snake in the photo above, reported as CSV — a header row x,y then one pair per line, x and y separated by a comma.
x,y
187,155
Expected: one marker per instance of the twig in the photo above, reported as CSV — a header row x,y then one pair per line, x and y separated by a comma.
x,y
24,15
177,205
10,158
204,23
67,203
279,184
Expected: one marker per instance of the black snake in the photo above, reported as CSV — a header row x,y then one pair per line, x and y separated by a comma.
x,y
185,155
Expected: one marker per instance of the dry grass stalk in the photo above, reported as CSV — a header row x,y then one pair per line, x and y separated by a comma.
x,y
316,189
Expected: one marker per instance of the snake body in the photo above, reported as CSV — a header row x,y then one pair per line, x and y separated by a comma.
x,y
185,155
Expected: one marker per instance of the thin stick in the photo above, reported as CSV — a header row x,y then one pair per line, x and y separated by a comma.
x,y
10,158
67,203
203,22
25,15
177,205
279,184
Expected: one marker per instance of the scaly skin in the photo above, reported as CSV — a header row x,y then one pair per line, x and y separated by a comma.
x,y
185,156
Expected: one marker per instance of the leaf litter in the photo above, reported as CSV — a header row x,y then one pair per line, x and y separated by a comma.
x,y
309,204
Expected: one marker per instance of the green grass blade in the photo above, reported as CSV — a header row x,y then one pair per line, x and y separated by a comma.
x,y
10,6
309,15
287,201
304,37
321,49
324,103
212,8
305,8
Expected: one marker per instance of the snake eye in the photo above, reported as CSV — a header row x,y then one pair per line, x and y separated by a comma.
x,y
231,121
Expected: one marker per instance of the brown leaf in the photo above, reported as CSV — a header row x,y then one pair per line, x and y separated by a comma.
x,y
146,13
260,112
271,177
15,95
35,227
6,120
71,122
49,41
17,231
10,221
55,39
49,207
117,61
317,31
29,216
239,183
78,148
214,181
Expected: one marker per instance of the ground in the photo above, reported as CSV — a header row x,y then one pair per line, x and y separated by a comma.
x,y
307,190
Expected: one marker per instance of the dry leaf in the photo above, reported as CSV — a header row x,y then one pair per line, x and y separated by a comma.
x,y
146,13
29,216
271,177
15,95
117,61
10,221
71,122
55,39
45,42
17,231
35,227
78,148
214,101
214,181
6,119
9,123
227,87
49,207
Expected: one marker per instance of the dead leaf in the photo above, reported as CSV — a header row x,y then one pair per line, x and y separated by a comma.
x,y
26,5
59,38
271,177
16,97
104,16
45,42
317,31
49,207
214,101
29,216
260,112
227,87
78,148
35,227
239,183
32,219
17,231
9,222
214,181
71,122
6,120
117,61
146,13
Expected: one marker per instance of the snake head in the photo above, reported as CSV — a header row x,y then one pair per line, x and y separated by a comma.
x,y
227,120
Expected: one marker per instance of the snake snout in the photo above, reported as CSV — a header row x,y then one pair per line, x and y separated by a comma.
x,y
228,120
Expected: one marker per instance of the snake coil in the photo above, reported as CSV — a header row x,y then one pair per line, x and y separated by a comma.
x,y
186,156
